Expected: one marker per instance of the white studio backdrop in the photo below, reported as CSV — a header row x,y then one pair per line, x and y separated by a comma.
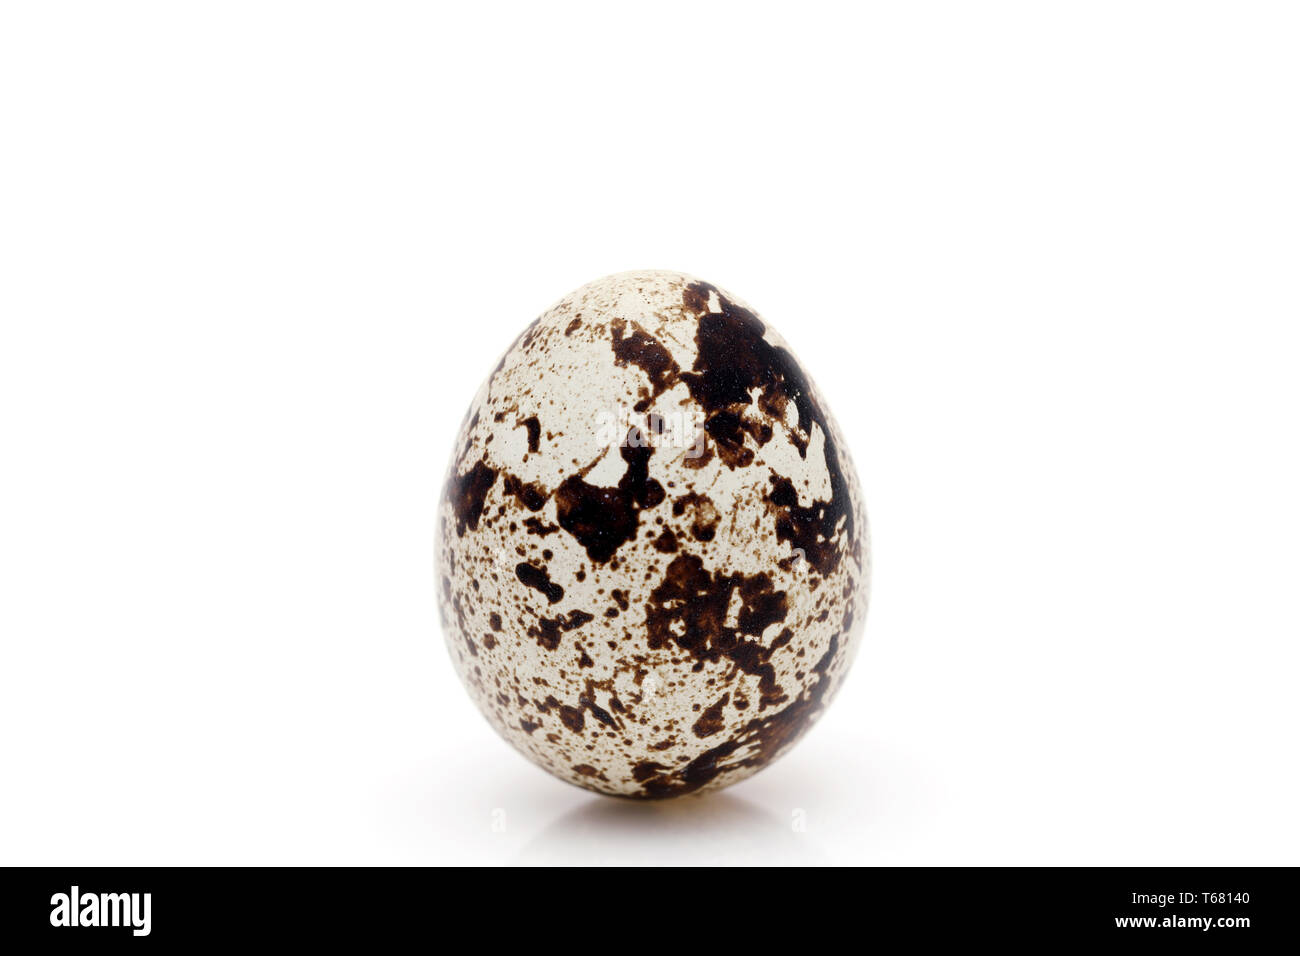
x,y
255,258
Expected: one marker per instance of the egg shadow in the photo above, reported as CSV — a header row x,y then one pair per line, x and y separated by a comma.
x,y
713,829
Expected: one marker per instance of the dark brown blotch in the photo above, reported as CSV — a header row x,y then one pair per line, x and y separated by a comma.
x,y
666,542
643,350
531,495
689,609
603,519
534,428
710,722
733,360
704,515
467,493
761,741
539,579
548,630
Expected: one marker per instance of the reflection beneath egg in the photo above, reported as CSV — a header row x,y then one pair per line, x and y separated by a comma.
x,y
713,829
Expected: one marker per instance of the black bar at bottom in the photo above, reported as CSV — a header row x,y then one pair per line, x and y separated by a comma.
x,y
1230,907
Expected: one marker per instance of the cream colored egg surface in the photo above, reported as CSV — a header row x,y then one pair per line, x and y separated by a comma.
x,y
652,553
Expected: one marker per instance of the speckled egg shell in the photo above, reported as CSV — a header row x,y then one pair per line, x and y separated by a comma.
x,y
652,554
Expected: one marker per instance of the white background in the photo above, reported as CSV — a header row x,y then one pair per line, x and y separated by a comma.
x,y
255,258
